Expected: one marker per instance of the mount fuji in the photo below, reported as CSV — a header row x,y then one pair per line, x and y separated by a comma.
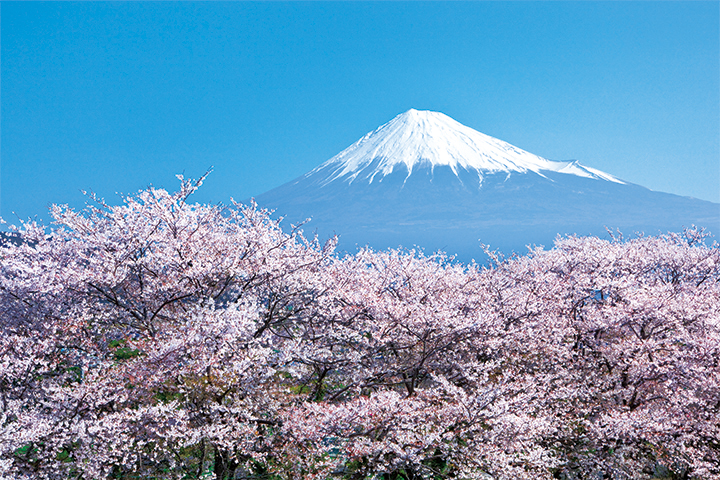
x,y
425,180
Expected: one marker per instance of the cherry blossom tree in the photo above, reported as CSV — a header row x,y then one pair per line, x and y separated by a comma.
x,y
166,339
134,333
594,358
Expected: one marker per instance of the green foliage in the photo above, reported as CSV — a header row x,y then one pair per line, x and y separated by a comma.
x,y
122,352
26,450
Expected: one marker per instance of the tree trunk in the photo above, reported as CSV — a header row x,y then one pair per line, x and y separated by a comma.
x,y
225,465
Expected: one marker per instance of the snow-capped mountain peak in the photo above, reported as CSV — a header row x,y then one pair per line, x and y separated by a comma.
x,y
420,138
425,180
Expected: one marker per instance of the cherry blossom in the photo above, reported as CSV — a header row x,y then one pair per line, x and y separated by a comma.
x,y
165,339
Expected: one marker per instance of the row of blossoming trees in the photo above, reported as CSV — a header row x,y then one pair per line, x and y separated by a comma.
x,y
163,339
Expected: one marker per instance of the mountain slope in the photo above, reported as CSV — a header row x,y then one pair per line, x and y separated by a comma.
x,y
421,139
424,179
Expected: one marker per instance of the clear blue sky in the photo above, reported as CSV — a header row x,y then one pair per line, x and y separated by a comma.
x,y
113,97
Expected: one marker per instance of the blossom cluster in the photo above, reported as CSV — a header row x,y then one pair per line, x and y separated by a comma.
x,y
166,339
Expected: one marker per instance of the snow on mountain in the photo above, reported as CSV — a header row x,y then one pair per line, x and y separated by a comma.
x,y
425,180
424,138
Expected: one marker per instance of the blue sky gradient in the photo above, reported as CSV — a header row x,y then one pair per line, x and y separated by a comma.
x,y
113,97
